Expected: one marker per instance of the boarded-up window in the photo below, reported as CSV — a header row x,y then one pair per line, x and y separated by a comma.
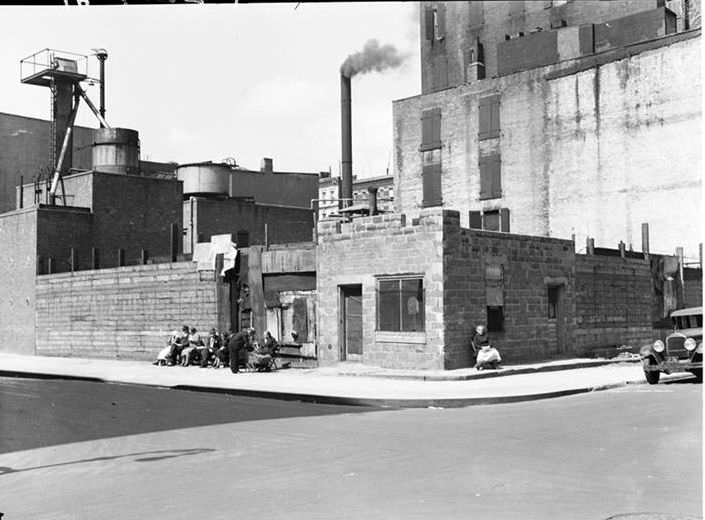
x,y
475,220
488,117
490,177
431,129
491,221
504,220
400,305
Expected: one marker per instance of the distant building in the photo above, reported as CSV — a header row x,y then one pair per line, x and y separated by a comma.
x,y
26,157
329,193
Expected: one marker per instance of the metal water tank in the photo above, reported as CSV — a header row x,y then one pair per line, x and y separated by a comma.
x,y
116,150
204,179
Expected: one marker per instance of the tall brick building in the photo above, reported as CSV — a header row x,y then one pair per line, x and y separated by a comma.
x,y
559,119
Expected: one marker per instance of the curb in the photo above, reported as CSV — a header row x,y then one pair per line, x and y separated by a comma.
x,y
489,374
345,400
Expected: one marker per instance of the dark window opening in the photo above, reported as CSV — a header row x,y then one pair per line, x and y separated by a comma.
x,y
553,294
495,319
400,305
242,239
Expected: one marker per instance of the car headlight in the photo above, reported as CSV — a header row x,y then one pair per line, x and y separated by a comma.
x,y
659,346
690,344
700,348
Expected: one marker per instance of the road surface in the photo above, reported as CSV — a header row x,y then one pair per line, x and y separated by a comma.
x,y
590,456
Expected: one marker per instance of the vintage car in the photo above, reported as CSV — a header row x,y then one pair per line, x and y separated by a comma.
x,y
680,351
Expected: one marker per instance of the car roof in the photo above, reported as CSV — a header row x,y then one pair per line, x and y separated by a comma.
x,y
687,312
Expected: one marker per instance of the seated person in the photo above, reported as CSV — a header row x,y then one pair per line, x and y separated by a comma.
x,y
263,356
207,351
177,342
189,353
486,355
222,355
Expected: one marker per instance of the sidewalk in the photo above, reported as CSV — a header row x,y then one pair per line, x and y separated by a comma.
x,y
352,384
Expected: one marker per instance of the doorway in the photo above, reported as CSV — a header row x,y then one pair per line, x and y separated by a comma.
x,y
350,322
557,312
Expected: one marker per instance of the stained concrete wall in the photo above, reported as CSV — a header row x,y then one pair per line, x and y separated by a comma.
x,y
584,146
125,312
18,256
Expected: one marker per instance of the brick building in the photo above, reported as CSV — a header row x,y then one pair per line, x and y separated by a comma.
x,y
558,119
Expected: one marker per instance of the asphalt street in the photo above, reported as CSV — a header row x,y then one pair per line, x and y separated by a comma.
x,y
38,412
591,456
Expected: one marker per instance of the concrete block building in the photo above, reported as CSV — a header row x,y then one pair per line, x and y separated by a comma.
x,y
558,119
406,290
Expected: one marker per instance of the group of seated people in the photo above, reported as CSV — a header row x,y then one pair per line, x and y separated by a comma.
x,y
188,347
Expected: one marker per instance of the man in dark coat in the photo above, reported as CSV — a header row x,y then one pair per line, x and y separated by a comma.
x,y
237,344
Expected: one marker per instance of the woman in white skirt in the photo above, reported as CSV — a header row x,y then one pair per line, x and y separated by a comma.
x,y
487,355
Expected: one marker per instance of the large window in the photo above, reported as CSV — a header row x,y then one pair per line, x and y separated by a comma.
x,y
400,305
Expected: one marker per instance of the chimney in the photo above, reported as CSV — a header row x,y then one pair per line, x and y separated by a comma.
x,y
267,165
346,140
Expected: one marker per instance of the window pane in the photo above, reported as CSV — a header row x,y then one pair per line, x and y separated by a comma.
x,y
431,156
388,305
412,305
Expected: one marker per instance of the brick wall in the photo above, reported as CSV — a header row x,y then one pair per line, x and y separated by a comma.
x,y
613,303
216,217
125,312
132,212
58,230
18,247
26,152
581,153
692,287
489,22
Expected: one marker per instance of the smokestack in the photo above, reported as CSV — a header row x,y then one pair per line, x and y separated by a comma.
x,y
102,55
346,140
372,57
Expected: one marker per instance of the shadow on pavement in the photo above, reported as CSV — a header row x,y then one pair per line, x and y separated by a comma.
x,y
160,455
37,413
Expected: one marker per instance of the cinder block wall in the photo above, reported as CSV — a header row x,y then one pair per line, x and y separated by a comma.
x,y
530,265
122,313
384,244
614,302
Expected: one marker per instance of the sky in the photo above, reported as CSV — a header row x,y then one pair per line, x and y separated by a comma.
x,y
208,82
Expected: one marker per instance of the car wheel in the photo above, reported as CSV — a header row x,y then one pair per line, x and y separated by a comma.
x,y
652,376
